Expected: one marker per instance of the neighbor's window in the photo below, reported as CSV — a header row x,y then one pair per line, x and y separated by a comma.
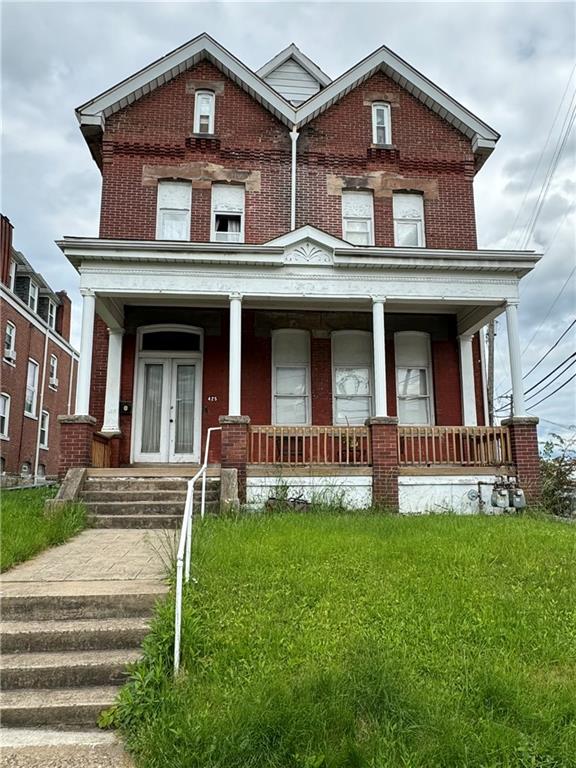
x,y
4,415
352,375
31,388
358,217
414,377
174,203
227,213
33,296
10,342
204,112
408,220
44,425
53,382
290,377
12,275
52,314
381,124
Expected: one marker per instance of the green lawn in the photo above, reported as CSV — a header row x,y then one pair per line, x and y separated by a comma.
x,y
365,640
25,529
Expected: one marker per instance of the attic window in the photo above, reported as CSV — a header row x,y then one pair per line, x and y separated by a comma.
x,y
204,112
381,125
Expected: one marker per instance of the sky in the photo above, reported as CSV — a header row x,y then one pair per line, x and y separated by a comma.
x,y
512,64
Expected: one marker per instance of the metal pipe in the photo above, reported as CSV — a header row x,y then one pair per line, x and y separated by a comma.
x,y
178,614
294,138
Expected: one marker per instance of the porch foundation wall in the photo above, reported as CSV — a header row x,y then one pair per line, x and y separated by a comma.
x,y
76,434
440,494
349,491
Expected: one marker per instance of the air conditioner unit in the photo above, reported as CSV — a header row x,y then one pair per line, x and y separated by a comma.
x,y
10,354
54,381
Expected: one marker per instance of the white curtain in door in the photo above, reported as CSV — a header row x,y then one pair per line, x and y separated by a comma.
x,y
152,410
185,384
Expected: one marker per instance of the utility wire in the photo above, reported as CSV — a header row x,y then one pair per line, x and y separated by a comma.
x,y
551,348
533,405
556,300
544,148
551,372
549,384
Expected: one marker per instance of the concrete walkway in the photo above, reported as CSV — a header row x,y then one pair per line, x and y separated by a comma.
x,y
75,603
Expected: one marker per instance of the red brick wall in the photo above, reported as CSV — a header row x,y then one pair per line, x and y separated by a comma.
x,y
5,248
99,365
321,380
157,131
478,382
524,443
447,393
23,430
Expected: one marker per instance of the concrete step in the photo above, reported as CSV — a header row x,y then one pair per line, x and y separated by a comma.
x,y
135,521
144,484
144,507
178,497
55,601
79,635
66,669
55,707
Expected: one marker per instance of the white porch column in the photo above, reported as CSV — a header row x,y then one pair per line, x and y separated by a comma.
x,y
518,404
468,387
379,339
235,362
112,401
85,362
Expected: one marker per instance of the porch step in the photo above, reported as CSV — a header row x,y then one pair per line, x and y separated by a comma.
x,y
108,495
139,484
143,507
56,707
135,521
80,635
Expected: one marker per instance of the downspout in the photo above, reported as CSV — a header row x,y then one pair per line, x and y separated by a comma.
x,y
41,405
294,137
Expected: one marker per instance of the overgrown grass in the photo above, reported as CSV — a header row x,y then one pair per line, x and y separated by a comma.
x,y
25,529
365,640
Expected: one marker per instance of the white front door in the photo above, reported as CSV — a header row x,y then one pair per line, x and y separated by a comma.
x,y
167,410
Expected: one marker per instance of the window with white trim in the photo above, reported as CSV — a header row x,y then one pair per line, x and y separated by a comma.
x,y
51,314
381,123
33,296
290,377
10,342
408,220
414,377
12,275
174,203
53,379
204,112
358,217
31,388
227,213
352,376
44,427
4,415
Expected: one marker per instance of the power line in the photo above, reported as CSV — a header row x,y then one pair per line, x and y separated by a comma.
x,y
554,392
556,300
551,382
543,151
555,423
550,350
551,372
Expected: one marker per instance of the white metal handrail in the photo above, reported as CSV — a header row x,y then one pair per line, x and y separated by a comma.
x,y
184,555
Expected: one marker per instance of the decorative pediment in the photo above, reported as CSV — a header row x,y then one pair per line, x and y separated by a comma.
x,y
308,252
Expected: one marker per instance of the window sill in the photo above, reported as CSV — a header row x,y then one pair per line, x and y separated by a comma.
x,y
54,389
30,416
9,362
5,438
383,146
43,447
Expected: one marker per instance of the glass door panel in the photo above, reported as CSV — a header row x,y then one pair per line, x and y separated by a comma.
x,y
151,438
184,425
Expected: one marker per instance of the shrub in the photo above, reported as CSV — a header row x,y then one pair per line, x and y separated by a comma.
x,y
558,466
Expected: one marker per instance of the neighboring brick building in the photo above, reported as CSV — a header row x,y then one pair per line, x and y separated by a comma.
x,y
38,367
290,251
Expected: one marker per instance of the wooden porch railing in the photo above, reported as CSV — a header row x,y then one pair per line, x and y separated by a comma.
x,y
455,446
100,451
309,445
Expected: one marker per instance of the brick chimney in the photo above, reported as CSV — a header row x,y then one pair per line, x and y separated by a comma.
x,y
63,315
5,248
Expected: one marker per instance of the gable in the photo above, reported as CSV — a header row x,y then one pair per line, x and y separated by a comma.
x,y
293,82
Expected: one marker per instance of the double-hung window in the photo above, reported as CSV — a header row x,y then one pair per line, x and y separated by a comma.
x,y
352,376
31,388
381,123
44,425
33,296
358,217
53,381
204,112
227,213
414,377
290,377
51,314
174,203
408,212
10,342
4,415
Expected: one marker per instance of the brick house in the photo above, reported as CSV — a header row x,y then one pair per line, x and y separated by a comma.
x,y
38,367
294,259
